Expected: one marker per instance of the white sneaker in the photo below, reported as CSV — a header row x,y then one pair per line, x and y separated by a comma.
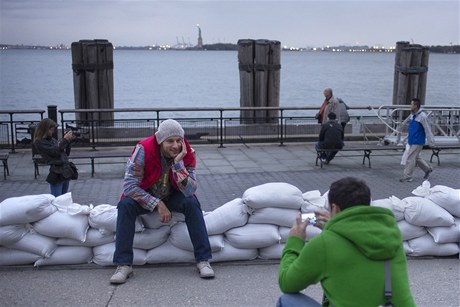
x,y
205,269
122,273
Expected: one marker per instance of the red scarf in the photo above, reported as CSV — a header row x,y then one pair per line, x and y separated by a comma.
x,y
323,108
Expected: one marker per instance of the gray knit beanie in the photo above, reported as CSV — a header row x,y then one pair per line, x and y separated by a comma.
x,y
168,128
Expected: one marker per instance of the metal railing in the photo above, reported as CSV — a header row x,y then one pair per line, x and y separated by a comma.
x,y
15,132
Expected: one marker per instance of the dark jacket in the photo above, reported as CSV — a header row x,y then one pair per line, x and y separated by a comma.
x,y
55,153
331,135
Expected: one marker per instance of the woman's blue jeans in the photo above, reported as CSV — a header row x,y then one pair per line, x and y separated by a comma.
x,y
129,209
60,188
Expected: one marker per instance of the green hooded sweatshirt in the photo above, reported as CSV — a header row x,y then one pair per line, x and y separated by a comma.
x,y
348,259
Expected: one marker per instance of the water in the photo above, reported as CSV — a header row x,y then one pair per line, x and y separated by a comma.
x,y
151,79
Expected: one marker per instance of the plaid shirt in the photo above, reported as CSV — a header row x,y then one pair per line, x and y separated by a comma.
x,y
184,177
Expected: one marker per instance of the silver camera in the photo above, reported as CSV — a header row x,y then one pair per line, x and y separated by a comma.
x,y
311,217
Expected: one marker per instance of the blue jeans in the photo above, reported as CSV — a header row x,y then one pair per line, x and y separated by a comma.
x,y
296,299
129,209
60,188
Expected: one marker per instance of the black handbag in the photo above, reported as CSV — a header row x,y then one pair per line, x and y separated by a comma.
x,y
74,171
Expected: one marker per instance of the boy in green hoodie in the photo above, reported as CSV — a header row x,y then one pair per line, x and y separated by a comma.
x,y
348,256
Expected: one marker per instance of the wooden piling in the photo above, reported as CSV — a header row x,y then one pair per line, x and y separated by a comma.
x,y
259,65
411,68
92,65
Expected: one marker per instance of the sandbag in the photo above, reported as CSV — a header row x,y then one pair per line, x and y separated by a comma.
x,y
63,225
103,255
168,253
153,220
407,248
396,205
64,203
230,215
314,201
93,238
180,238
26,209
231,253
36,244
151,238
409,231
446,198
425,246
10,256
446,234
10,234
276,216
271,252
253,236
423,212
273,194
104,218
67,255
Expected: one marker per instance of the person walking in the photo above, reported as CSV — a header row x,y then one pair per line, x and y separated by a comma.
x,y
349,257
160,175
330,137
418,132
55,153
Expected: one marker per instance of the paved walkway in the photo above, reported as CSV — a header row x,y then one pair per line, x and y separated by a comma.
x,y
223,174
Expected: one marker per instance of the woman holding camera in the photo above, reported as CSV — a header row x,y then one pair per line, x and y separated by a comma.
x,y
55,153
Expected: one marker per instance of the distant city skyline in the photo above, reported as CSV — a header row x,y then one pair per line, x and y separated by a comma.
x,y
294,23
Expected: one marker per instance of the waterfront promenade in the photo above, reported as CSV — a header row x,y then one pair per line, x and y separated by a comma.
x,y
223,174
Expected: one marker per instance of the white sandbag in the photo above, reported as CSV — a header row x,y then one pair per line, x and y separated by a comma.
x,y
26,209
64,203
273,194
10,234
103,255
447,198
253,236
271,252
425,246
168,253
446,234
276,216
422,190
311,232
153,220
93,238
396,205
104,218
409,231
151,238
67,255
423,212
314,201
231,253
36,244
230,215
180,238
63,225
10,256
407,248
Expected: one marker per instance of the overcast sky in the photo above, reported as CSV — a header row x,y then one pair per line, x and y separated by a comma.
x,y
293,23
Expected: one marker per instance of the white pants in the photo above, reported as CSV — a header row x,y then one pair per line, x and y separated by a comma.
x,y
414,159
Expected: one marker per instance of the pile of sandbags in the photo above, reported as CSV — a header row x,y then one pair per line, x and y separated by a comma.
x,y
429,222
44,230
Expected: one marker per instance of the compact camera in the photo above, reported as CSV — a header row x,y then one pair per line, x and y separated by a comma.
x,y
75,133
311,217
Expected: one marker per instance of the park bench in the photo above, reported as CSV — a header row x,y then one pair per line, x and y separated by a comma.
x,y
367,150
91,155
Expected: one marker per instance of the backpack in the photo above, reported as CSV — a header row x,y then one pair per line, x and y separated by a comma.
x,y
344,117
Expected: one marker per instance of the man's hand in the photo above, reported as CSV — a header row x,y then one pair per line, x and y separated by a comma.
x,y
165,214
182,154
299,228
321,218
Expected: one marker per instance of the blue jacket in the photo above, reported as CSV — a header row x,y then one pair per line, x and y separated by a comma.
x,y
419,129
